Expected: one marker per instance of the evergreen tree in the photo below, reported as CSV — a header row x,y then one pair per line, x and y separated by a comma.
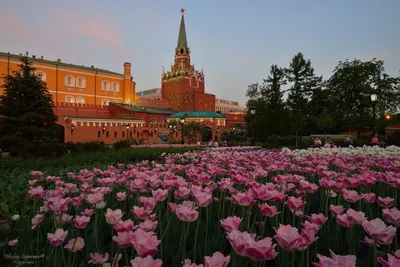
x,y
26,109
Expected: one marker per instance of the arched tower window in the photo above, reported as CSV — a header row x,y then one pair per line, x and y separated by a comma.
x,y
41,75
115,87
105,85
69,99
80,100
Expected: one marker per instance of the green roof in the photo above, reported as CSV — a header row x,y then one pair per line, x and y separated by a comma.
x,y
61,64
150,110
182,42
196,114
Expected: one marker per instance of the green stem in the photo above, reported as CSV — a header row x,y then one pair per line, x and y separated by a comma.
x,y
63,256
112,243
195,239
207,221
126,257
375,256
166,228
184,241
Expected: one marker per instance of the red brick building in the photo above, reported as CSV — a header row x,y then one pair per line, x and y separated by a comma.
x,y
183,85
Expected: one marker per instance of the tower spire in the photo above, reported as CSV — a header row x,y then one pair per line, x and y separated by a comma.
x,y
182,42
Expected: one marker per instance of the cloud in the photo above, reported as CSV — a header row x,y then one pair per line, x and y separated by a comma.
x,y
96,27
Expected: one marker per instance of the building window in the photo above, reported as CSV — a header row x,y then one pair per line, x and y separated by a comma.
x,y
105,86
80,82
153,121
123,134
115,134
69,99
161,121
98,134
69,81
41,75
130,134
137,134
115,87
80,100
107,134
105,102
114,101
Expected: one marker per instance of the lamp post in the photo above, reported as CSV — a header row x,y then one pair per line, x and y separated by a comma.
x,y
182,123
127,129
374,98
252,112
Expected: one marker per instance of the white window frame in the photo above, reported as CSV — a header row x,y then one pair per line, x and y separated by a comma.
x,y
105,86
116,85
43,77
72,84
80,98
105,102
83,85
114,101
67,98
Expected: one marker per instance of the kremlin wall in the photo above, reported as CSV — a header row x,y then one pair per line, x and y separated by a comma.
x,y
95,104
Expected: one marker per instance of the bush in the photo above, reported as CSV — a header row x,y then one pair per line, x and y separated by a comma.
x,y
45,147
123,143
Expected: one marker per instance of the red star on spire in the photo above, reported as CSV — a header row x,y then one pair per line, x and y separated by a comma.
x,y
182,10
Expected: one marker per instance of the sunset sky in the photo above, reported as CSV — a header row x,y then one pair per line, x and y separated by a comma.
x,y
235,40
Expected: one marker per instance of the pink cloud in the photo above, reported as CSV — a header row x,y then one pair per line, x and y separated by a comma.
x,y
98,28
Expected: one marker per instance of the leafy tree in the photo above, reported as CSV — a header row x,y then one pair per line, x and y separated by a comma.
x,y
267,98
26,109
325,121
303,83
351,85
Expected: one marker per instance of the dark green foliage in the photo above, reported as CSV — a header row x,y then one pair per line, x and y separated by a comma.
x,y
123,143
314,106
26,110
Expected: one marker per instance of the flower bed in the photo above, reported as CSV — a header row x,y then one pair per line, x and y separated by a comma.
x,y
220,206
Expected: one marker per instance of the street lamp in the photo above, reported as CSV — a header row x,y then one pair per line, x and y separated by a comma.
x,y
104,129
374,98
182,123
252,112
127,129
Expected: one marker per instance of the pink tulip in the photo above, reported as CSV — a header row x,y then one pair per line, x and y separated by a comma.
x,y
391,262
36,192
240,240
123,239
148,225
261,250
146,262
295,203
145,243
275,196
286,235
344,220
243,199
13,243
124,226
318,219
336,210
75,245
231,223
397,253
203,199
160,195
368,241
148,202
187,211
113,216
355,217
88,212
217,260
81,221
121,196
351,196
172,207
77,201
336,260
378,231
386,202
36,220
369,197
58,237
97,258
188,263
267,210
392,216
94,198
140,212
182,192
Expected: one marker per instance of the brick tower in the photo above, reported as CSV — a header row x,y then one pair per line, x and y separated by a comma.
x,y
183,85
